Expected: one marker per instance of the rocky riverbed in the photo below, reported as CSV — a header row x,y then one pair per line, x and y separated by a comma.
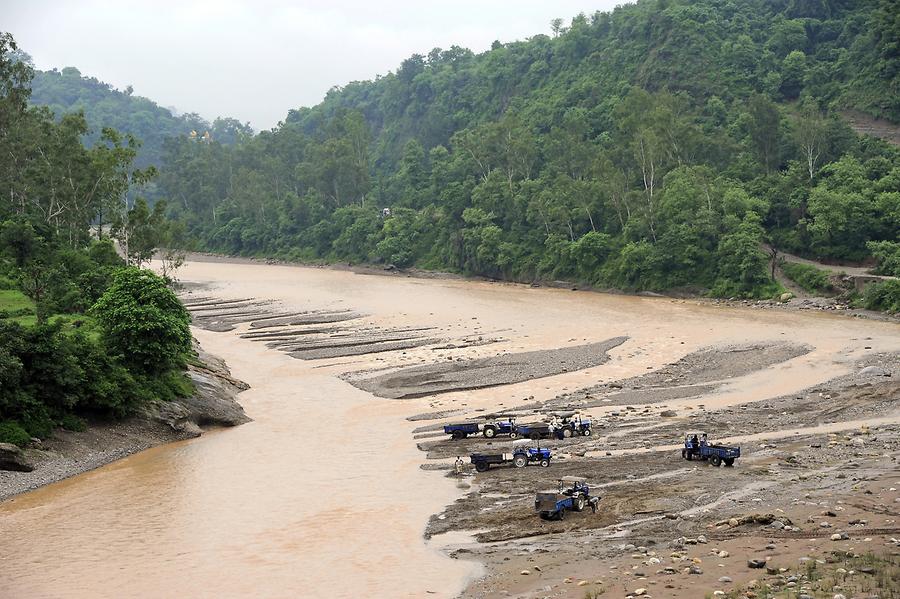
x,y
813,497
68,453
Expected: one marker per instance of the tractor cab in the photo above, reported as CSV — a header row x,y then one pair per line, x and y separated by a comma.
x,y
571,424
499,426
694,441
573,485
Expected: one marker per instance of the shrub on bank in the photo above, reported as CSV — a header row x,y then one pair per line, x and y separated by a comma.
x,y
12,432
882,296
71,422
810,278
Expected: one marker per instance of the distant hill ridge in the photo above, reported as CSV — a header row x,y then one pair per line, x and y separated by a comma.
x,y
105,106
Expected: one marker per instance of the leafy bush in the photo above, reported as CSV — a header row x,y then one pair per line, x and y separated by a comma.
x,y
887,253
882,296
810,278
143,322
70,422
12,432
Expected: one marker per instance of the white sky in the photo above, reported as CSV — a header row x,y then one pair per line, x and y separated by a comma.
x,y
255,60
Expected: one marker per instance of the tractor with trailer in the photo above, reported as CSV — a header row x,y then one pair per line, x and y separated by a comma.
x,y
520,457
573,495
696,447
462,430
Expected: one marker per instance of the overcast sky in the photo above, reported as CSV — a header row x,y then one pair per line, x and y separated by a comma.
x,y
255,60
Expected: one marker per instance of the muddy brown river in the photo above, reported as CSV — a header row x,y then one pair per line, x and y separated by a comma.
x,y
322,494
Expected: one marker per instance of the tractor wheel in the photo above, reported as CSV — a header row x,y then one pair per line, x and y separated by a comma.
x,y
545,462
459,435
481,466
566,433
535,436
684,454
586,432
513,435
561,515
715,460
729,461
520,461
489,432
578,504
690,455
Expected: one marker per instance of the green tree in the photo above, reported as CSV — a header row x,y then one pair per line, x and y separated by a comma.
x,y
144,322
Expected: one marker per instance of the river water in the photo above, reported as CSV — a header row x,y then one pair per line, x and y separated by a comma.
x,y
322,494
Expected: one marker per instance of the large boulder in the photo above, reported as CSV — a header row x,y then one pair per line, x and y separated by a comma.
x,y
213,401
12,458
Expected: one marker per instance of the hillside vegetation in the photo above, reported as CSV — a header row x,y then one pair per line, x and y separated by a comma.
x,y
68,91
82,333
653,147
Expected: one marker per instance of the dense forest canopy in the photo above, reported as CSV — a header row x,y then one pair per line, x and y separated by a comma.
x,y
655,146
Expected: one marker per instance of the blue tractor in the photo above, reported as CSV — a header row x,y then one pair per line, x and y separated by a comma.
x,y
571,424
696,447
499,427
573,495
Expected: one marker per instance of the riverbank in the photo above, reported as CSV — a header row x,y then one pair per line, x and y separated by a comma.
x,y
67,453
794,304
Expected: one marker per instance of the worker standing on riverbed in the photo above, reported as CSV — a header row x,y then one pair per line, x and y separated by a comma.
x,y
459,466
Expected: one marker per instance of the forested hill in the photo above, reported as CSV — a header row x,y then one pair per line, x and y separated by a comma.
x,y
69,91
655,146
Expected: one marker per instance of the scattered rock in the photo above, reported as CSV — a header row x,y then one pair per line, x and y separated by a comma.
x,y
12,458
874,371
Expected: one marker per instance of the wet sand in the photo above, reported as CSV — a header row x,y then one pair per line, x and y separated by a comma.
x,y
322,495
